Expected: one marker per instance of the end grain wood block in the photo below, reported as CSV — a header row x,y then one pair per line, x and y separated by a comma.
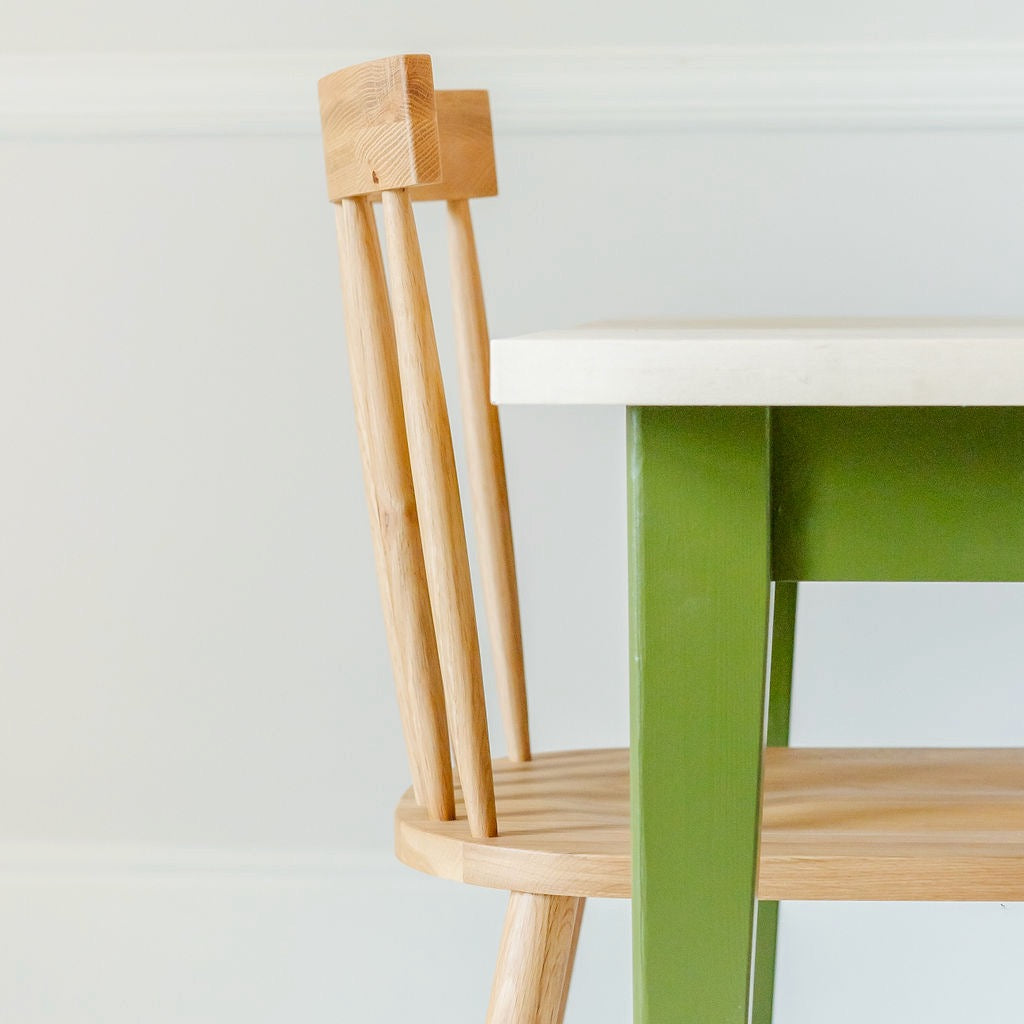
x,y
380,126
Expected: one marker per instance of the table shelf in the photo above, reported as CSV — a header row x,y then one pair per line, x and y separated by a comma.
x,y
893,824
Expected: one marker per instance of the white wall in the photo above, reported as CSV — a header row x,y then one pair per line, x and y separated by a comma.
x,y
198,746
401,24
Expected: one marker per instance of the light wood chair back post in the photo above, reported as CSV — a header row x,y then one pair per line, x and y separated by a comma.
x,y
388,478
469,172
380,134
440,509
486,462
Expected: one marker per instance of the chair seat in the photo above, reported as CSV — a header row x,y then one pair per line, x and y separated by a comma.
x,y
563,820
907,824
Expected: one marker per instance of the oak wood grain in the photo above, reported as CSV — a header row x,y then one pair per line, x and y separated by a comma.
x,y
837,824
577,927
440,512
466,142
393,520
488,488
379,126
535,959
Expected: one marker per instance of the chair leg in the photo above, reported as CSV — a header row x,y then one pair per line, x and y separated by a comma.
x,y
577,925
535,960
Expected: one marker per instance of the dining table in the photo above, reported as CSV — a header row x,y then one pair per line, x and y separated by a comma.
x,y
762,453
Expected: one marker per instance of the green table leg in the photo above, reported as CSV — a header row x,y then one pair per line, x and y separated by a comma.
x,y
699,584
780,693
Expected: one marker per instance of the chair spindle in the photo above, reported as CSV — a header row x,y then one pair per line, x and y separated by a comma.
x,y
440,512
486,463
389,489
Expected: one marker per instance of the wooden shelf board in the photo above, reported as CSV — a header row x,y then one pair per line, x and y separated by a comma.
x,y
904,824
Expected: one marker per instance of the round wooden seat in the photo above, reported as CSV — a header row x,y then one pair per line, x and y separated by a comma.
x,y
563,823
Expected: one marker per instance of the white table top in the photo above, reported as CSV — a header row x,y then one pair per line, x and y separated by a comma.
x,y
765,362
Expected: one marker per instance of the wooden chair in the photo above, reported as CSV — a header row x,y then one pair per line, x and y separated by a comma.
x,y
553,830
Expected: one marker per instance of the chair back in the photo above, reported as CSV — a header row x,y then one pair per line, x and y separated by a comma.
x,y
388,134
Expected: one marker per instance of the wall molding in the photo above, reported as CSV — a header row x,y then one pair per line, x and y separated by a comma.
x,y
77,861
885,87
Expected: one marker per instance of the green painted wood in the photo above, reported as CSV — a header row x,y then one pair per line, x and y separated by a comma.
x,y
699,584
765,945
780,696
780,690
898,494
